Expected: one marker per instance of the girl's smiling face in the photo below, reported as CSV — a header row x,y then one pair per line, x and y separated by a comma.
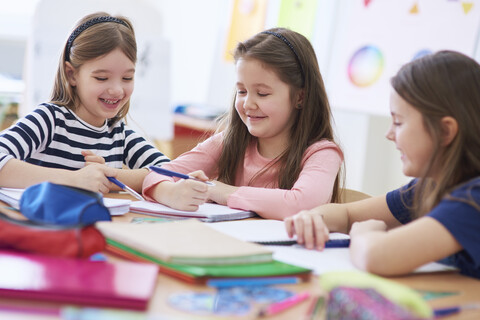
x,y
263,102
103,86
410,136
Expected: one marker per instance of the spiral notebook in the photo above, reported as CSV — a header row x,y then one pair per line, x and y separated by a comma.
x,y
207,212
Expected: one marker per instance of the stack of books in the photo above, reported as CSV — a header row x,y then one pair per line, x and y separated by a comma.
x,y
191,251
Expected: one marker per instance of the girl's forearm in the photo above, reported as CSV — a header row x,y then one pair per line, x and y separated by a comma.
x,y
19,174
132,177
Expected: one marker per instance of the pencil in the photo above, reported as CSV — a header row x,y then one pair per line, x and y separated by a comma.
x,y
315,308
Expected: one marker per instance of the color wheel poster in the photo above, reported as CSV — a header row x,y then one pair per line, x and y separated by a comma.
x,y
376,37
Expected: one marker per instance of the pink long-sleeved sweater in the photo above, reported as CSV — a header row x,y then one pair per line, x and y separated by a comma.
x,y
321,163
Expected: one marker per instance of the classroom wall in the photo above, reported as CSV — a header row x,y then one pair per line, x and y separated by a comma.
x,y
373,165
196,33
201,75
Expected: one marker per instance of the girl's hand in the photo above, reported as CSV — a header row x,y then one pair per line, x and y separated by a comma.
x,y
91,157
367,226
92,177
220,192
309,227
184,194
199,174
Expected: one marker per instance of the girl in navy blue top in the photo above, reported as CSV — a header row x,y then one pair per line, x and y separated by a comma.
x,y
435,108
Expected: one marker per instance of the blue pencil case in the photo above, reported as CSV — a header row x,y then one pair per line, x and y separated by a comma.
x,y
63,205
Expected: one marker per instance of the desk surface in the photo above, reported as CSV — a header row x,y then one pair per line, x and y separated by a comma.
x,y
468,292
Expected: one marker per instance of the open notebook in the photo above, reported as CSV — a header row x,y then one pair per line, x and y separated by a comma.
x,y
116,207
207,212
271,232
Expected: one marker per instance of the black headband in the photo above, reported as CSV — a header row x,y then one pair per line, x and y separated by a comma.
x,y
281,37
85,26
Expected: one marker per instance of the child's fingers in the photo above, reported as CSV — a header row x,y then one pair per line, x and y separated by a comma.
x,y
91,157
196,186
95,159
289,226
321,231
298,225
199,174
308,232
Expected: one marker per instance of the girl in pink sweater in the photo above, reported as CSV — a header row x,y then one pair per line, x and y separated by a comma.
x,y
275,153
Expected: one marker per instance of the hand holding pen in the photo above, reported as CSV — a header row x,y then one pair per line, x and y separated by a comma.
x,y
177,174
126,188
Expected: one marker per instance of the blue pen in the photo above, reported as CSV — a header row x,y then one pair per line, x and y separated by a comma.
x,y
337,243
177,174
247,282
126,188
443,312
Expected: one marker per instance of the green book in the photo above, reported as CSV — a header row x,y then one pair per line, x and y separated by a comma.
x,y
201,273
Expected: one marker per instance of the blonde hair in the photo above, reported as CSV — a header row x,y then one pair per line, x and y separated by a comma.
x,y
94,40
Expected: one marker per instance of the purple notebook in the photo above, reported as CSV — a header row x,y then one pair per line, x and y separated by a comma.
x,y
119,284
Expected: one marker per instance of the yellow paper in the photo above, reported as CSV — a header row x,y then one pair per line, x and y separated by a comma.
x,y
467,6
298,15
248,19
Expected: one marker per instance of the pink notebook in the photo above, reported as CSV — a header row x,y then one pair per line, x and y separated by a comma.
x,y
120,284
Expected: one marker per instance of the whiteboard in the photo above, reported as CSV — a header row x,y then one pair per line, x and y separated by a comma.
x,y
374,38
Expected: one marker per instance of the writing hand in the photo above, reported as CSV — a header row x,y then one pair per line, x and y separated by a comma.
x,y
93,177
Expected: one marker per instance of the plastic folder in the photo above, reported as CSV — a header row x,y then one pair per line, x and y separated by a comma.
x,y
121,284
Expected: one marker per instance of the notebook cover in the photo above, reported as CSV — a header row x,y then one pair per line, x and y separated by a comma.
x,y
123,284
200,274
186,242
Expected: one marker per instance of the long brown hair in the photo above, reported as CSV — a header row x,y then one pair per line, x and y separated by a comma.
x,y
95,41
291,56
446,83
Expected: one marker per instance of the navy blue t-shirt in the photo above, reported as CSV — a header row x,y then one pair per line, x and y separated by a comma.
x,y
459,217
